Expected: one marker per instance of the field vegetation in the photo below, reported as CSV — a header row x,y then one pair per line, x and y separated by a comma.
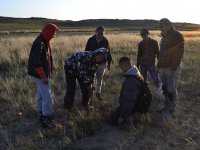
x,y
19,123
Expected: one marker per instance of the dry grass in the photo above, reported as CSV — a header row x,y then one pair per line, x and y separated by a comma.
x,y
79,130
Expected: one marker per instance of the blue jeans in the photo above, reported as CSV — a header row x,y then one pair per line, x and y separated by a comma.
x,y
43,97
170,79
152,71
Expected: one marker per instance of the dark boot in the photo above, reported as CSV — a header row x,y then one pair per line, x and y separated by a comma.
x,y
45,122
40,119
98,96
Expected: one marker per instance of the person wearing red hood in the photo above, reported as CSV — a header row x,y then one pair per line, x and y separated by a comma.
x,y
40,65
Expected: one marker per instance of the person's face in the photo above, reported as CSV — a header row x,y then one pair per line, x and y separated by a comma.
x,y
100,59
124,66
164,29
145,37
99,34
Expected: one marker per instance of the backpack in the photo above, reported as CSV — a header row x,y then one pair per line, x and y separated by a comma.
x,y
145,98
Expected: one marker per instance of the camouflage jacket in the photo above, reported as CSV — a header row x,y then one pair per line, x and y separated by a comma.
x,y
82,65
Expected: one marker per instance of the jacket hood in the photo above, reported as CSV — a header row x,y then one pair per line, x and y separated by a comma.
x,y
133,72
48,31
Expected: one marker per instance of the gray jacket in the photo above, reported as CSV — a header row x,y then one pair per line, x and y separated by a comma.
x,y
130,91
171,50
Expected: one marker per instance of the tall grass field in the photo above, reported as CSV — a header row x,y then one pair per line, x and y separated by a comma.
x,y
19,120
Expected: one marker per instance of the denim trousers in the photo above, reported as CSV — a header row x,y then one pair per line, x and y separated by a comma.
x,y
43,97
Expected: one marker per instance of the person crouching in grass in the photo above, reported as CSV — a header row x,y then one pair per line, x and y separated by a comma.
x,y
40,66
129,94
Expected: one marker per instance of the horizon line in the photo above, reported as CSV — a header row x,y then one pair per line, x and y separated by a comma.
x,y
90,19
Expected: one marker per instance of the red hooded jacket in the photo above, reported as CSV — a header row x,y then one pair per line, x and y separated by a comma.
x,y
47,33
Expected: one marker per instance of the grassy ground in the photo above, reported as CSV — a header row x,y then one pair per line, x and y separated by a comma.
x,y
19,124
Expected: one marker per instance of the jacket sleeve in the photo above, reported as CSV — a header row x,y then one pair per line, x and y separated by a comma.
x,y
87,47
178,54
86,71
156,50
139,55
37,59
128,95
109,59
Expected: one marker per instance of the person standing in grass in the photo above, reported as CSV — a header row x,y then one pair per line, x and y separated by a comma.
x,y
170,56
99,41
82,66
147,55
40,66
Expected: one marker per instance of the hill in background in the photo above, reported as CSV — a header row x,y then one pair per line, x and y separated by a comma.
x,y
34,24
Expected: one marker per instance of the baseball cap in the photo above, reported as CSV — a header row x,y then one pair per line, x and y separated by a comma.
x,y
100,28
164,21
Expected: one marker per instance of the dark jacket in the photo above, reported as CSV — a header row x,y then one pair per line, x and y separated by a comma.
x,y
147,53
39,57
171,50
83,65
130,92
92,45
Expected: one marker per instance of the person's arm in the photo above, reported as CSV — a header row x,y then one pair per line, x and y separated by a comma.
x,y
139,55
37,62
178,54
156,48
109,59
87,47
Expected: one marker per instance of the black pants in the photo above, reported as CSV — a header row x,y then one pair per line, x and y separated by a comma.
x,y
70,93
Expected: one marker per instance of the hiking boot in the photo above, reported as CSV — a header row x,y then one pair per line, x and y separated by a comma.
x,y
52,121
98,96
46,123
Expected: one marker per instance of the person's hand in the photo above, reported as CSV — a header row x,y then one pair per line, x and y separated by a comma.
x,y
120,120
108,67
158,70
45,80
90,89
